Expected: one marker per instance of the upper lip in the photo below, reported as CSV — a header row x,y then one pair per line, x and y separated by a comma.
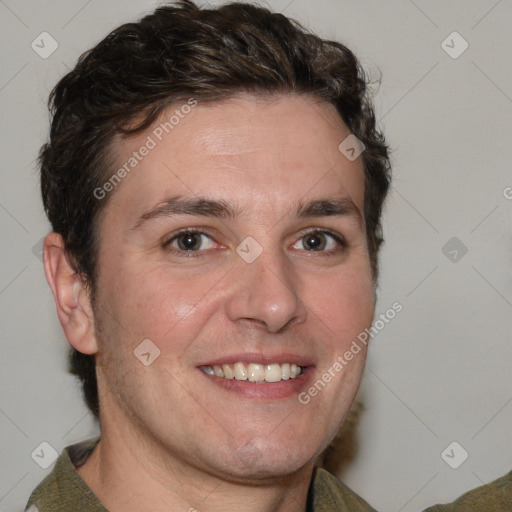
x,y
259,358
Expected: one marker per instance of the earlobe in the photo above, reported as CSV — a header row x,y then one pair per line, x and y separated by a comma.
x,y
71,295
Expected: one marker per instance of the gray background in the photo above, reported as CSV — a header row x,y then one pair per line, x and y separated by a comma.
x,y
441,370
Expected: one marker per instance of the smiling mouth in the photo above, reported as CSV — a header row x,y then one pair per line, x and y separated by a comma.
x,y
253,372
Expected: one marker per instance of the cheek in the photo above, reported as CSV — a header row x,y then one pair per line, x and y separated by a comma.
x,y
154,303
343,303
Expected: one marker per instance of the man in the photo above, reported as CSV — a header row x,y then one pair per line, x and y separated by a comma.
x,y
214,256
214,179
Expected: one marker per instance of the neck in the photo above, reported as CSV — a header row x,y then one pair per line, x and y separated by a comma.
x,y
128,474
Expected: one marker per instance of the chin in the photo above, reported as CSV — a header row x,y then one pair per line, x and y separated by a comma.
x,y
261,459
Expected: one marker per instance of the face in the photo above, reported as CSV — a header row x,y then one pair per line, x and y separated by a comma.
x,y
237,246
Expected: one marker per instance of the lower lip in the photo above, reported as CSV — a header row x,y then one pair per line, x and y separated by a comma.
x,y
263,390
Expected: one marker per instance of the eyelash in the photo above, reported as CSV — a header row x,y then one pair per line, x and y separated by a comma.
x,y
342,244
340,241
181,232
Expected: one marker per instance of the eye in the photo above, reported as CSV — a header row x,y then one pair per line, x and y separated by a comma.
x,y
319,241
191,241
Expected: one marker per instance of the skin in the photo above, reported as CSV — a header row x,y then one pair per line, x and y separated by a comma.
x,y
173,438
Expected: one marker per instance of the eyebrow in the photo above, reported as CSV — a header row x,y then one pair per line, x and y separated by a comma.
x,y
339,207
200,206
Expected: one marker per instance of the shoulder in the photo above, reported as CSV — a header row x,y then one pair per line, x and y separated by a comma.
x,y
328,494
63,489
493,497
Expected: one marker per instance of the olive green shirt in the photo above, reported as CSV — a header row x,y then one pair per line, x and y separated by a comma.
x,y
493,497
63,490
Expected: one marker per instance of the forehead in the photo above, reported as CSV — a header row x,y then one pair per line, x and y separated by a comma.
x,y
246,150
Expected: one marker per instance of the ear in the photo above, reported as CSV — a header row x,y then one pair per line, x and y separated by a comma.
x,y
72,298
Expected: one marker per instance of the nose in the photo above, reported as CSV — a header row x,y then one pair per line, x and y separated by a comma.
x,y
266,294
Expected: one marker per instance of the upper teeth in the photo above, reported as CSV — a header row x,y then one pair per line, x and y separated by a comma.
x,y
255,372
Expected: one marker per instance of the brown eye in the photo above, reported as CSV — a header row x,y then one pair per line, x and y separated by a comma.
x,y
319,241
191,241
314,242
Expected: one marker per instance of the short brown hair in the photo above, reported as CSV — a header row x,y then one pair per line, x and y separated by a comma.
x,y
178,52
